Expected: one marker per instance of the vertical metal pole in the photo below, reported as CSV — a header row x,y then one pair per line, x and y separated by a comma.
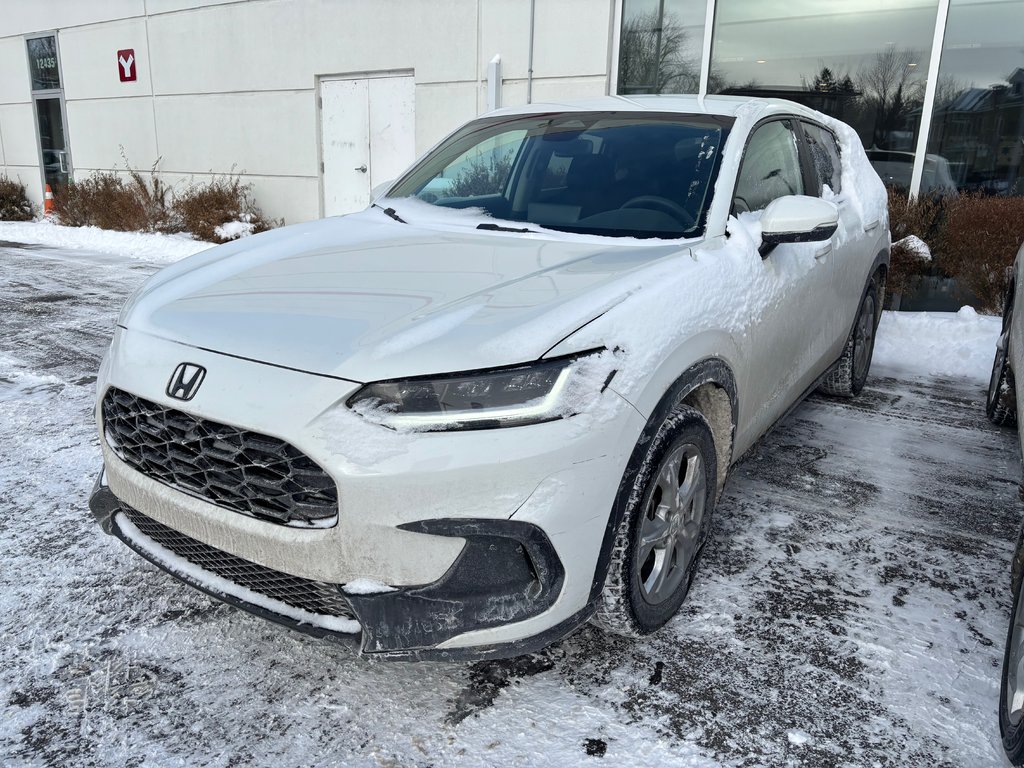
x,y
931,86
494,83
529,61
614,45
705,54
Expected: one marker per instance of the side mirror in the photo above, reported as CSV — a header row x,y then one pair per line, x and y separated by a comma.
x,y
797,219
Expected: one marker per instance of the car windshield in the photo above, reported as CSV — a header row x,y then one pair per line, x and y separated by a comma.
x,y
617,174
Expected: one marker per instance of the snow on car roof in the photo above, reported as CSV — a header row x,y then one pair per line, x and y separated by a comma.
x,y
728,106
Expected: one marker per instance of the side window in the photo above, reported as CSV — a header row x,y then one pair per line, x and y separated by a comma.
x,y
770,168
825,154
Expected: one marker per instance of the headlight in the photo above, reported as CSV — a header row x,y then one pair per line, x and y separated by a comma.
x,y
500,397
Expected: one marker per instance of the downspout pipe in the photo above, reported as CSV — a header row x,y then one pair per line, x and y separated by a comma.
x,y
529,60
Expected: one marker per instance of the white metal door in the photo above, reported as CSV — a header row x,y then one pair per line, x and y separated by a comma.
x,y
368,135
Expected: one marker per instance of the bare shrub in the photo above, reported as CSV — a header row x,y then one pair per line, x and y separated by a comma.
x,y
921,217
135,201
979,240
102,200
483,176
109,200
14,203
201,209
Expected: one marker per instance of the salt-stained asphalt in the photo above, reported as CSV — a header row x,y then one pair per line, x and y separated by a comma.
x,y
851,609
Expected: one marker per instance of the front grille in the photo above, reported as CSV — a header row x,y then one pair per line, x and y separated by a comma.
x,y
245,471
311,596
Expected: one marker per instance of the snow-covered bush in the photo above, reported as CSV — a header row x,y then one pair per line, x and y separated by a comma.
x,y
913,223
215,211
14,203
219,210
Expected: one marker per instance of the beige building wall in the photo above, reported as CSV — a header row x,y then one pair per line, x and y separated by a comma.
x,y
231,86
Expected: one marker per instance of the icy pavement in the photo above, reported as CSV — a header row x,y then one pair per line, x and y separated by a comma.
x,y
851,609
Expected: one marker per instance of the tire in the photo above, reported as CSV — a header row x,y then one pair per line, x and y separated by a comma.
x,y
1001,400
647,582
1011,688
847,377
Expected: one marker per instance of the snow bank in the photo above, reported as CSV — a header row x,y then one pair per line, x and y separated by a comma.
x,y
134,245
925,344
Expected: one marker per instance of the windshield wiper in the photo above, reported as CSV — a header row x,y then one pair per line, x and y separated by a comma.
x,y
391,212
499,228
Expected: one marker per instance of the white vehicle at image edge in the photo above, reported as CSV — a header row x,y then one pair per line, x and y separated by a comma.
x,y
502,400
1001,406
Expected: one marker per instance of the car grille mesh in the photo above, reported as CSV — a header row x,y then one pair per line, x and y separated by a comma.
x,y
311,596
245,471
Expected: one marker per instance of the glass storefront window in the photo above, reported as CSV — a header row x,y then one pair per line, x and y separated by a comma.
x,y
976,140
862,61
660,46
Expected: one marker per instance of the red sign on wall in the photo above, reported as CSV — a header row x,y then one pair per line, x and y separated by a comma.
x,y
126,65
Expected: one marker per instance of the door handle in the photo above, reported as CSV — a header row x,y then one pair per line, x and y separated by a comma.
x,y
361,168
821,253
872,225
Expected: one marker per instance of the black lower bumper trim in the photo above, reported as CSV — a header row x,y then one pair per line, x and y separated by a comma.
x,y
507,572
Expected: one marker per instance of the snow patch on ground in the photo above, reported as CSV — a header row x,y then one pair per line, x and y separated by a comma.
x,y
148,246
926,344
798,738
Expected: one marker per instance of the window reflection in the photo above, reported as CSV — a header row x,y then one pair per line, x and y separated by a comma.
x,y
660,46
856,60
978,122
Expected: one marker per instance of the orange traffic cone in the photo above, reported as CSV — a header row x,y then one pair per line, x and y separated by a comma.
x,y
48,201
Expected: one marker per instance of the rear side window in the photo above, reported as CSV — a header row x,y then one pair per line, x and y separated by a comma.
x,y
825,154
770,169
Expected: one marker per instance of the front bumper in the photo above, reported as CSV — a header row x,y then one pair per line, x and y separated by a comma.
x,y
507,572
416,511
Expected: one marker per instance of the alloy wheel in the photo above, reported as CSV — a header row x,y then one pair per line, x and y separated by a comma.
x,y
864,338
671,523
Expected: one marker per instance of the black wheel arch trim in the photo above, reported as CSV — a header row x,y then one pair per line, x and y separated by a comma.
x,y
711,370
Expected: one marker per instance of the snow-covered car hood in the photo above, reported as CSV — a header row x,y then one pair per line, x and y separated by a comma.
x,y
367,298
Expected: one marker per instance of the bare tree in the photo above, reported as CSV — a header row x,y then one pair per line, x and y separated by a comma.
x,y
947,90
891,85
654,56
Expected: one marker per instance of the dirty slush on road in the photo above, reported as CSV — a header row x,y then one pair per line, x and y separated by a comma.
x,y
850,610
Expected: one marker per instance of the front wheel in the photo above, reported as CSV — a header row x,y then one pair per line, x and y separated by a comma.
x,y
847,378
1011,694
664,527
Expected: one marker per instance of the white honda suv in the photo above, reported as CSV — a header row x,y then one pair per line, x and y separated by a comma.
x,y
503,400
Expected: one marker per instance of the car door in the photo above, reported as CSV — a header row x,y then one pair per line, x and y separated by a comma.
x,y
789,331
849,262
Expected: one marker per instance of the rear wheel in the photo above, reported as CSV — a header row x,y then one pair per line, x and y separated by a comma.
x,y
847,378
1001,403
1011,696
662,533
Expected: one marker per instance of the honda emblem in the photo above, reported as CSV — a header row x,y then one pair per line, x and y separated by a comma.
x,y
185,382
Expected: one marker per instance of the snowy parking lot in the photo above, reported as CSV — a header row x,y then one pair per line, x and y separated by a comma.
x,y
851,609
